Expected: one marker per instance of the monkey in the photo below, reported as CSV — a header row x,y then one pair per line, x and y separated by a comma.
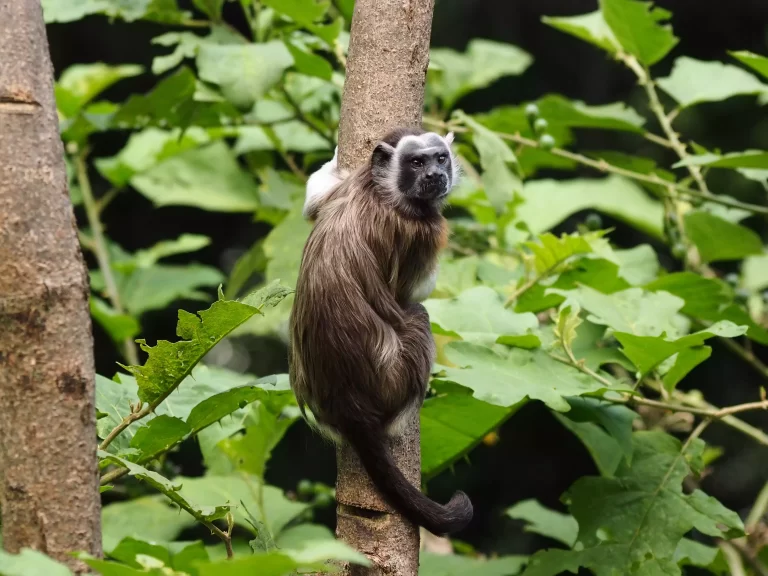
x,y
361,347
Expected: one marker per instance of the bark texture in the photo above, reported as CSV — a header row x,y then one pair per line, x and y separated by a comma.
x,y
48,468
384,88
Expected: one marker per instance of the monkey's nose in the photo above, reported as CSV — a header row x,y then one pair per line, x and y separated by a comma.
x,y
430,175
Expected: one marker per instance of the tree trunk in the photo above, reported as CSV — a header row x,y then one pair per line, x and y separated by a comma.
x,y
49,492
384,88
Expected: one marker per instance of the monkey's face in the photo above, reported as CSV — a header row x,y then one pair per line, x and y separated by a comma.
x,y
424,173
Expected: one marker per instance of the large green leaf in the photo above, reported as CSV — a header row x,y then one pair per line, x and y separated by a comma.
x,y
304,12
636,26
749,159
312,557
549,523
647,352
548,202
558,111
243,71
452,424
692,553
755,272
278,509
694,81
632,524
30,562
157,436
498,180
171,490
718,239
81,83
119,326
590,27
431,564
633,311
291,135
147,518
169,363
507,377
478,315
207,177
483,62
755,61
68,11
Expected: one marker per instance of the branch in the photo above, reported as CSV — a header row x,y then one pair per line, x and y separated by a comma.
x,y
100,249
605,167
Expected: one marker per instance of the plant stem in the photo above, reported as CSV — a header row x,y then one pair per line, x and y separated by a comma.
x,y
725,415
605,167
732,558
226,537
746,355
127,421
758,509
100,249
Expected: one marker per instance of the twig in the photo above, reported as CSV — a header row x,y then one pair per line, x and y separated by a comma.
x,y
758,509
605,167
528,284
732,558
725,415
226,537
127,421
754,563
100,249
747,355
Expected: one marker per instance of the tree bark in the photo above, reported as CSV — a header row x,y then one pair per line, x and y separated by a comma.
x,y
384,88
49,493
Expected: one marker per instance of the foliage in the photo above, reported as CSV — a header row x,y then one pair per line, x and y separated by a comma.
x,y
528,307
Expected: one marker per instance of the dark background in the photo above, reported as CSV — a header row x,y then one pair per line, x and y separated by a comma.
x,y
535,457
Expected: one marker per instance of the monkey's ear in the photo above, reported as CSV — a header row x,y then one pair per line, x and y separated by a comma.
x,y
382,155
449,138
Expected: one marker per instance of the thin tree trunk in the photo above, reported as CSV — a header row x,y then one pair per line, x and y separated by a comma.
x,y
49,491
384,88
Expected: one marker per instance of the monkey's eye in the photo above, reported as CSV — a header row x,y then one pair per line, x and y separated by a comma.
x,y
441,159
416,163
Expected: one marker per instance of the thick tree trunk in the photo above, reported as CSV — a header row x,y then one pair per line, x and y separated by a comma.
x,y
384,88
49,492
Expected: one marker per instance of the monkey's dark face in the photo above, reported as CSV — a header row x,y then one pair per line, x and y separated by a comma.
x,y
424,173
416,170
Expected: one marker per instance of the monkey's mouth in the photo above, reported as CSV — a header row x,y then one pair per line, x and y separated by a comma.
x,y
434,190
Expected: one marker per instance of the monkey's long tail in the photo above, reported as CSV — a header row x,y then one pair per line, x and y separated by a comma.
x,y
407,499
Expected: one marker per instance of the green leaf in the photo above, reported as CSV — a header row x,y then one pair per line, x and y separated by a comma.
x,y
303,12
250,451
755,61
636,26
158,435
186,45
483,62
692,553
81,83
499,182
169,363
456,275
184,244
647,352
30,562
292,135
549,251
632,311
170,489
309,63
590,27
507,377
207,177
154,288
757,159
245,72
120,327
211,8
312,557
478,315
547,203
718,240
694,81
632,524
559,111
129,10
549,523
148,518
454,565
210,489
615,420
708,299
128,548
603,449
452,424
754,272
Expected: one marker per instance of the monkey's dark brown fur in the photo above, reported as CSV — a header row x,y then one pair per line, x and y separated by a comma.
x,y
361,352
